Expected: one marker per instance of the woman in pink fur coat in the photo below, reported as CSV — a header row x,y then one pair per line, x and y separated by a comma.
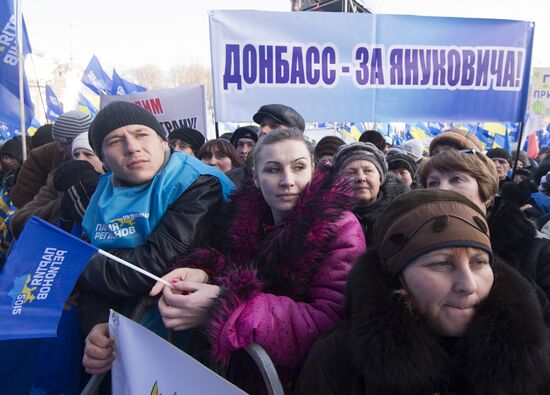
x,y
278,272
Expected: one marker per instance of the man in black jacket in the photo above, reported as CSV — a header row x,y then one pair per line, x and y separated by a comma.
x,y
153,207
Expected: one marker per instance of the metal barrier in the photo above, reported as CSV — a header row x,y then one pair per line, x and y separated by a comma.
x,y
267,369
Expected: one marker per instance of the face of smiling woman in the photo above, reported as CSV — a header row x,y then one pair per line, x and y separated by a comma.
x,y
282,172
445,286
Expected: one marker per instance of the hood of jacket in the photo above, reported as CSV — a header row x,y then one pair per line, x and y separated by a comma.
x,y
504,351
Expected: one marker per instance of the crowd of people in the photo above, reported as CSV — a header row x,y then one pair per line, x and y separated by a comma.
x,y
360,268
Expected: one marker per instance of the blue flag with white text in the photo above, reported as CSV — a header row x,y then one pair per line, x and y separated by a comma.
x,y
10,109
39,275
96,78
54,109
124,87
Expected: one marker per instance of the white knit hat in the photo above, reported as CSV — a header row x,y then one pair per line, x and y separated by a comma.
x,y
81,141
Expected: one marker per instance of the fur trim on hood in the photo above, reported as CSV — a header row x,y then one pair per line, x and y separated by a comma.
x,y
285,258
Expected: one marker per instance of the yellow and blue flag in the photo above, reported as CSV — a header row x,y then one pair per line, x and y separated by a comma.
x,y
39,275
85,105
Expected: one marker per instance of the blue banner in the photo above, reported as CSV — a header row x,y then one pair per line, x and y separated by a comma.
x,y
39,275
348,67
10,111
54,109
124,87
85,105
96,78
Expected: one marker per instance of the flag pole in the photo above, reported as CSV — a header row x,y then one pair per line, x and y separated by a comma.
x,y
518,148
138,269
17,6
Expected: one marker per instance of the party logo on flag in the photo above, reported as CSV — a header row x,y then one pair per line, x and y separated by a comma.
x,y
41,281
38,277
21,293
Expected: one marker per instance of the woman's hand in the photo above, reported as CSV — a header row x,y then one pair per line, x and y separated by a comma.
x,y
186,305
181,274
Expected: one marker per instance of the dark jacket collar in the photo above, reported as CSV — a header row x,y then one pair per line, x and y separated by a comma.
x,y
368,216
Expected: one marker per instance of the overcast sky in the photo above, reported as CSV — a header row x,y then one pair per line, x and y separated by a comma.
x,y
131,33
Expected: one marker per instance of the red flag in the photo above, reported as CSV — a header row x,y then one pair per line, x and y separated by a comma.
x,y
533,146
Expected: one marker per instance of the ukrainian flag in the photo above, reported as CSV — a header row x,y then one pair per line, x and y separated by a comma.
x,y
352,132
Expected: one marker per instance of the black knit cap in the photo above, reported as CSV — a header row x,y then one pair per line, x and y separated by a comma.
x,y
499,153
116,115
193,137
43,135
14,148
397,158
247,132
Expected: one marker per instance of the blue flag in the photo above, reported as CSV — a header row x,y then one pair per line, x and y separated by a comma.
x,y
10,111
54,109
123,87
95,78
39,275
85,105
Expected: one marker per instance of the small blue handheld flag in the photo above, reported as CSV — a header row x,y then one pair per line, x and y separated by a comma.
x,y
39,275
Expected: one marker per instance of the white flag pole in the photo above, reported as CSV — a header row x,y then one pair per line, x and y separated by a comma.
x,y
20,60
138,269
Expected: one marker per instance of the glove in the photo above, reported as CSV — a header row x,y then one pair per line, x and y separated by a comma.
x,y
77,180
73,171
75,200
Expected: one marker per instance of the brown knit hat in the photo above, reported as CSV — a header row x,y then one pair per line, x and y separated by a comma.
x,y
457,138
425,220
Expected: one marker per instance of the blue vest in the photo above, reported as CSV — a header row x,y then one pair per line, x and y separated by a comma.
x,y
123,217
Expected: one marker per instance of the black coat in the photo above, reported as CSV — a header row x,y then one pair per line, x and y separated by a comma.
x,y
513,238
368,216
384,348
187,224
